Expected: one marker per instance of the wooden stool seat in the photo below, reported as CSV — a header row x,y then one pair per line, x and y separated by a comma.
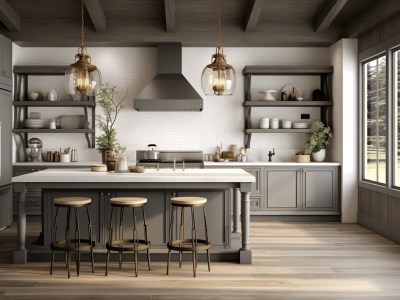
x,y
188,201
72,201
134,244
128,201
180,243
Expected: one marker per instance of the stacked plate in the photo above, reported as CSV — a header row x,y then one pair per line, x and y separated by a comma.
x,y
300,125
35,123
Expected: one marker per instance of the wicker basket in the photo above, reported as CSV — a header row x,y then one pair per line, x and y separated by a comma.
x,y
302,158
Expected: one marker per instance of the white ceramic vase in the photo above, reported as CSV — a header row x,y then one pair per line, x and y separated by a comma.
x,y
319,156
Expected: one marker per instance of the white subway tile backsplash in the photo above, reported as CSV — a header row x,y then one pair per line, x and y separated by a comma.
x,y
222,119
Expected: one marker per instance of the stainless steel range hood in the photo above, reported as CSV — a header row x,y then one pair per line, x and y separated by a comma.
x,y
169,90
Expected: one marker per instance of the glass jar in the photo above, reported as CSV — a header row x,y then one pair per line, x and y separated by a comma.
x,y
121,164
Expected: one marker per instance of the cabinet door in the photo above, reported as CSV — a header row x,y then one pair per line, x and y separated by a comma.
x,y
6,61
320,189
155,212
218,216
282,189
256,187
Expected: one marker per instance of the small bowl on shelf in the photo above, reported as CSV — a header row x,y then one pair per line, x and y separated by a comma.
x,y
34,96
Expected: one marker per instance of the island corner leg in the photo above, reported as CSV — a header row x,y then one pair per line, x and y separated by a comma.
x,y
20,254
236,210
245,251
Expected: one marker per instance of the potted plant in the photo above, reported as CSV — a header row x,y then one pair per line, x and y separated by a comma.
x,y
107,142
319,140
303,156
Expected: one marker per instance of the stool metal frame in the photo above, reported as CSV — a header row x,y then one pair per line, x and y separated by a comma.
x,y
122,245
69,245
193,244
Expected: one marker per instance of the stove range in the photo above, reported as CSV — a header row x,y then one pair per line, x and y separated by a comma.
x,y
186,159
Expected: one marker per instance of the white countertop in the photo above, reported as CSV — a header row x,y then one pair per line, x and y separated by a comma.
x,y
150,175
266,164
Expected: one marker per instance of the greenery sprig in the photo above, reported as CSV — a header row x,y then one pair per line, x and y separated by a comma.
x,y
318,139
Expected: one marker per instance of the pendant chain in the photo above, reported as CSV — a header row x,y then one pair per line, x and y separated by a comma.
x,y
82,24
219,24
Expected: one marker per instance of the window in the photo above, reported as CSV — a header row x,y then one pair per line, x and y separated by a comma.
x,y
374,83
396,116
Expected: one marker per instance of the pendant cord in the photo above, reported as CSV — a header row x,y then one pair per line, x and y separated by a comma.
x,y
82,23
219,23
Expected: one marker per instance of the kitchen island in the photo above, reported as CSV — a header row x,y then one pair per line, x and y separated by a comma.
x,y
158,186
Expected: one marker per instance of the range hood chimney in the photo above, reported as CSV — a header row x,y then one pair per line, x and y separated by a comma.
x,y
169,90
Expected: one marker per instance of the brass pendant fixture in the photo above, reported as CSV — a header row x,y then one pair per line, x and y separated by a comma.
x,y
82,79
219,77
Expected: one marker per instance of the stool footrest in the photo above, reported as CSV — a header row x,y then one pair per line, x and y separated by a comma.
x,y
62,245
178,245
119,245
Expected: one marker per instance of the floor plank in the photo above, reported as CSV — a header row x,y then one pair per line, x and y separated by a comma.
x,y
290,261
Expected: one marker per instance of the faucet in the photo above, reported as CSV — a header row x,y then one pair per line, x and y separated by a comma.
x,y
270,154
174,163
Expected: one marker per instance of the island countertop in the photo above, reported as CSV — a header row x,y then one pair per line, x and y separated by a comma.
x,y
150,175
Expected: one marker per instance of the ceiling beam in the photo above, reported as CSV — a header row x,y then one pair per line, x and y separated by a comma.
x,y
9,17
375,14
253,14
170,20
96,14
328,14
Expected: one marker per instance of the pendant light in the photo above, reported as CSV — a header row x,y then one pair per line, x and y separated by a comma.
x,y
82,78
218,78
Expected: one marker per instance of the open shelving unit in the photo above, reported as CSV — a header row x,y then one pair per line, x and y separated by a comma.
x,y
21,105
325,73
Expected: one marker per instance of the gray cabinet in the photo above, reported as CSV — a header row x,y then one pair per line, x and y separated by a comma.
x,y
320,188
5,62
282,189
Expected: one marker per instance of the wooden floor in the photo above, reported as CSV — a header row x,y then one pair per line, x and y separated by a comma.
x,y
290,261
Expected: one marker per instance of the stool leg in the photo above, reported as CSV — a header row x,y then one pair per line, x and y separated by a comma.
x,y
68,241
121,234
135,242
90,237
110,230
146,237
170,236
194,253
54,240
206,229
181,233
77,241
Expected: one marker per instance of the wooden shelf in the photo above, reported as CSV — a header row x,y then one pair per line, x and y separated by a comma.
x,y
60,103
287,103
40,70
46,130
282,130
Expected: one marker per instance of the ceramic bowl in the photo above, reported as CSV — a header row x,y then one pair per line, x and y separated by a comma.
x,y
34,96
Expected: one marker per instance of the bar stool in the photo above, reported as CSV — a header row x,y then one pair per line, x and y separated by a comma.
x,y
69,244
127,245
191,244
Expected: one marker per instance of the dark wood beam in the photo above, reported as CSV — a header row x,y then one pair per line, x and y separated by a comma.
x,y
253,14
9,17
96,14
328,14
170,21
374,15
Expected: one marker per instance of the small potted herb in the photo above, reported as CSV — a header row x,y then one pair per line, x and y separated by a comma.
x,y
319,140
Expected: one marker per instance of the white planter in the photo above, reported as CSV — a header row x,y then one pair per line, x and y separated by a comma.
x,y
319,156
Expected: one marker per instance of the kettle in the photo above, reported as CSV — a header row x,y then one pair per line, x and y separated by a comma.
x,y
152,153
34,150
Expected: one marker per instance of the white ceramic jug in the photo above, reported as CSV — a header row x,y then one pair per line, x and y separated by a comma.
x,y
52,95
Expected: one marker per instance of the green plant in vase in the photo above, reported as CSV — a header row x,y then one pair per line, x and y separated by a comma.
x,y
319,140
107,142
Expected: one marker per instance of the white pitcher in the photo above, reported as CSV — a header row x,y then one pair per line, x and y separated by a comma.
x,y
52,95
